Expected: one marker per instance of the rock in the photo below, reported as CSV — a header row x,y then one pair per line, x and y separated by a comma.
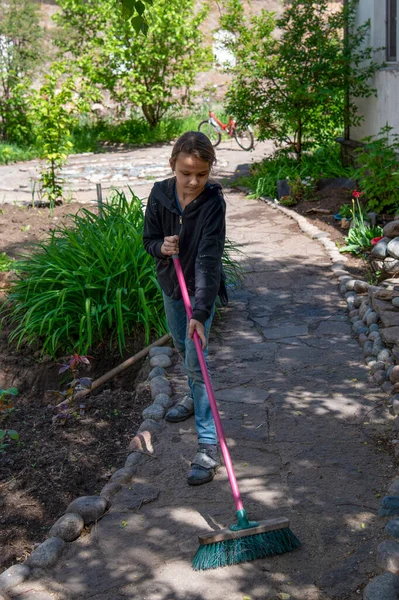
x,y
68,527
391,265
391,229
395,302
349,294
350,301
361,287
150,425
390,335
90,508
159,350
47,553
110,489
382,587
357,301
283,188
122,476
374,335
154,411
371,318
388,556
377,366
142,442
368,348
394,374
389,318
389,506
370,361
156,372
350,285
359,327
393,248
160,385
363,307
394,489
379,377
395,407
161,360
395,353
372,218
384,356
387,387
353,313
374,327
392,528
362,339
163,400
380,249
133,460
13,576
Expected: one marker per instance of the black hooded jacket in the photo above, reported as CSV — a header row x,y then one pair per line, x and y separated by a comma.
x,y
201,230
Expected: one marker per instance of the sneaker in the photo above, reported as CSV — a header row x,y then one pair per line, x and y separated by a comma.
x,y
205,464
181,411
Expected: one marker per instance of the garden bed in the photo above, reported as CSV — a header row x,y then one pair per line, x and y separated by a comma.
x,y
53,464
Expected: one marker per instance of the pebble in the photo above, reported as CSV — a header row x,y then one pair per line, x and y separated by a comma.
x,y
374,327
90,508
388,556
384,355
392,528
110,489
160,385
161,360
68,527
394,374
378,365
368,348
379,377
133,459
150,425
350,284
389,506
361,287
393,247
353,313
13,576
357,301
395,302
163,400
47,553
395,404
156,372
155,412
362,339
159,350
382,587
122,476
394,488
374,335
371,318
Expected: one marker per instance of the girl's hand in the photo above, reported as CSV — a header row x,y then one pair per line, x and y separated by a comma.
x,y
170,245
197,326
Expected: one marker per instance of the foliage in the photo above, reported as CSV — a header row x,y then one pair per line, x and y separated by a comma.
x,y
21,51
155,74
6,409
360,233
323,162
68,397
6,262
87,282
345,211
377,171
10,153
292,86
52,110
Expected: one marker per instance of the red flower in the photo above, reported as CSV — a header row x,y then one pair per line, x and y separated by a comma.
x,y
356,194
375,240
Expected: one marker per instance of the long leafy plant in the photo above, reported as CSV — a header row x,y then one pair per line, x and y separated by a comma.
x,y
361,233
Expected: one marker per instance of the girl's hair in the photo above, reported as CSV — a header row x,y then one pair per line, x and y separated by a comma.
x,y
196,143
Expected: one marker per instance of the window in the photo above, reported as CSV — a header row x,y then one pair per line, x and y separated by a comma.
x,y
392,37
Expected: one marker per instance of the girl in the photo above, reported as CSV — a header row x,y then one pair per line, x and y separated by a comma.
x,y
185,215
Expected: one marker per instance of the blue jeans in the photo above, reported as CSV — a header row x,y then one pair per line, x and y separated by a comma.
x,y
177,322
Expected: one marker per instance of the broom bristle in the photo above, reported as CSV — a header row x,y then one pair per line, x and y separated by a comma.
x,y
244,549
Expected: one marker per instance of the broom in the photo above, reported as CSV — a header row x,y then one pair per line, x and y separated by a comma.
x,y
246,540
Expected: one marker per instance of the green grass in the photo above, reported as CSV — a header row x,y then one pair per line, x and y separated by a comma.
x,y
322,163
10,153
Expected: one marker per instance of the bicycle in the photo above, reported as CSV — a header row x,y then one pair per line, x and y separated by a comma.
x,y
213,127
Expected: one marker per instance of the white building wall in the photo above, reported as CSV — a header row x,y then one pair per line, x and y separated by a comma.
x,y
383,109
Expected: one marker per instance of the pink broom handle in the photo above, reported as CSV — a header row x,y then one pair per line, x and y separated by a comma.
x,y
209,389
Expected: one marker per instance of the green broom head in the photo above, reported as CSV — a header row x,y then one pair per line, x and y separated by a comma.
x,y
244,542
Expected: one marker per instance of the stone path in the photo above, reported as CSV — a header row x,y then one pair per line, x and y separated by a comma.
x,y
137,168
300,420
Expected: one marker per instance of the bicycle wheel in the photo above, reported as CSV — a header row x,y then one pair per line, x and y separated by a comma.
x,y
244,138
211,132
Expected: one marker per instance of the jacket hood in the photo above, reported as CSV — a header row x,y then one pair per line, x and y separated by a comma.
x,y
164,192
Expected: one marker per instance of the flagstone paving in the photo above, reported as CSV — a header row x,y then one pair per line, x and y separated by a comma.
x,y
301,422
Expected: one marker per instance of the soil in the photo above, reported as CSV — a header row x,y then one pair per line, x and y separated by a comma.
x,y
51,464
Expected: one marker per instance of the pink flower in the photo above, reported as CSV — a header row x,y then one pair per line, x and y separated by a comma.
x,y
356,194
375,240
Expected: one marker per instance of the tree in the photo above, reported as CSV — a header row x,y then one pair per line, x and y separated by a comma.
x,y
153,72
20,54
292,71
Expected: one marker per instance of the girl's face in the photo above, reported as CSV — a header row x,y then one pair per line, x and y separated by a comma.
x,y
191,173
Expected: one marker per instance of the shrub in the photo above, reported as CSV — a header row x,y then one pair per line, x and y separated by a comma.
x,y
378,171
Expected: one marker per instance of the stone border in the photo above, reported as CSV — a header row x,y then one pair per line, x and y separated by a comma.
x,y
87,510
366,305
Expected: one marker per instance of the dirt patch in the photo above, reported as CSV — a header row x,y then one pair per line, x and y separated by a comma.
x,y
51,464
